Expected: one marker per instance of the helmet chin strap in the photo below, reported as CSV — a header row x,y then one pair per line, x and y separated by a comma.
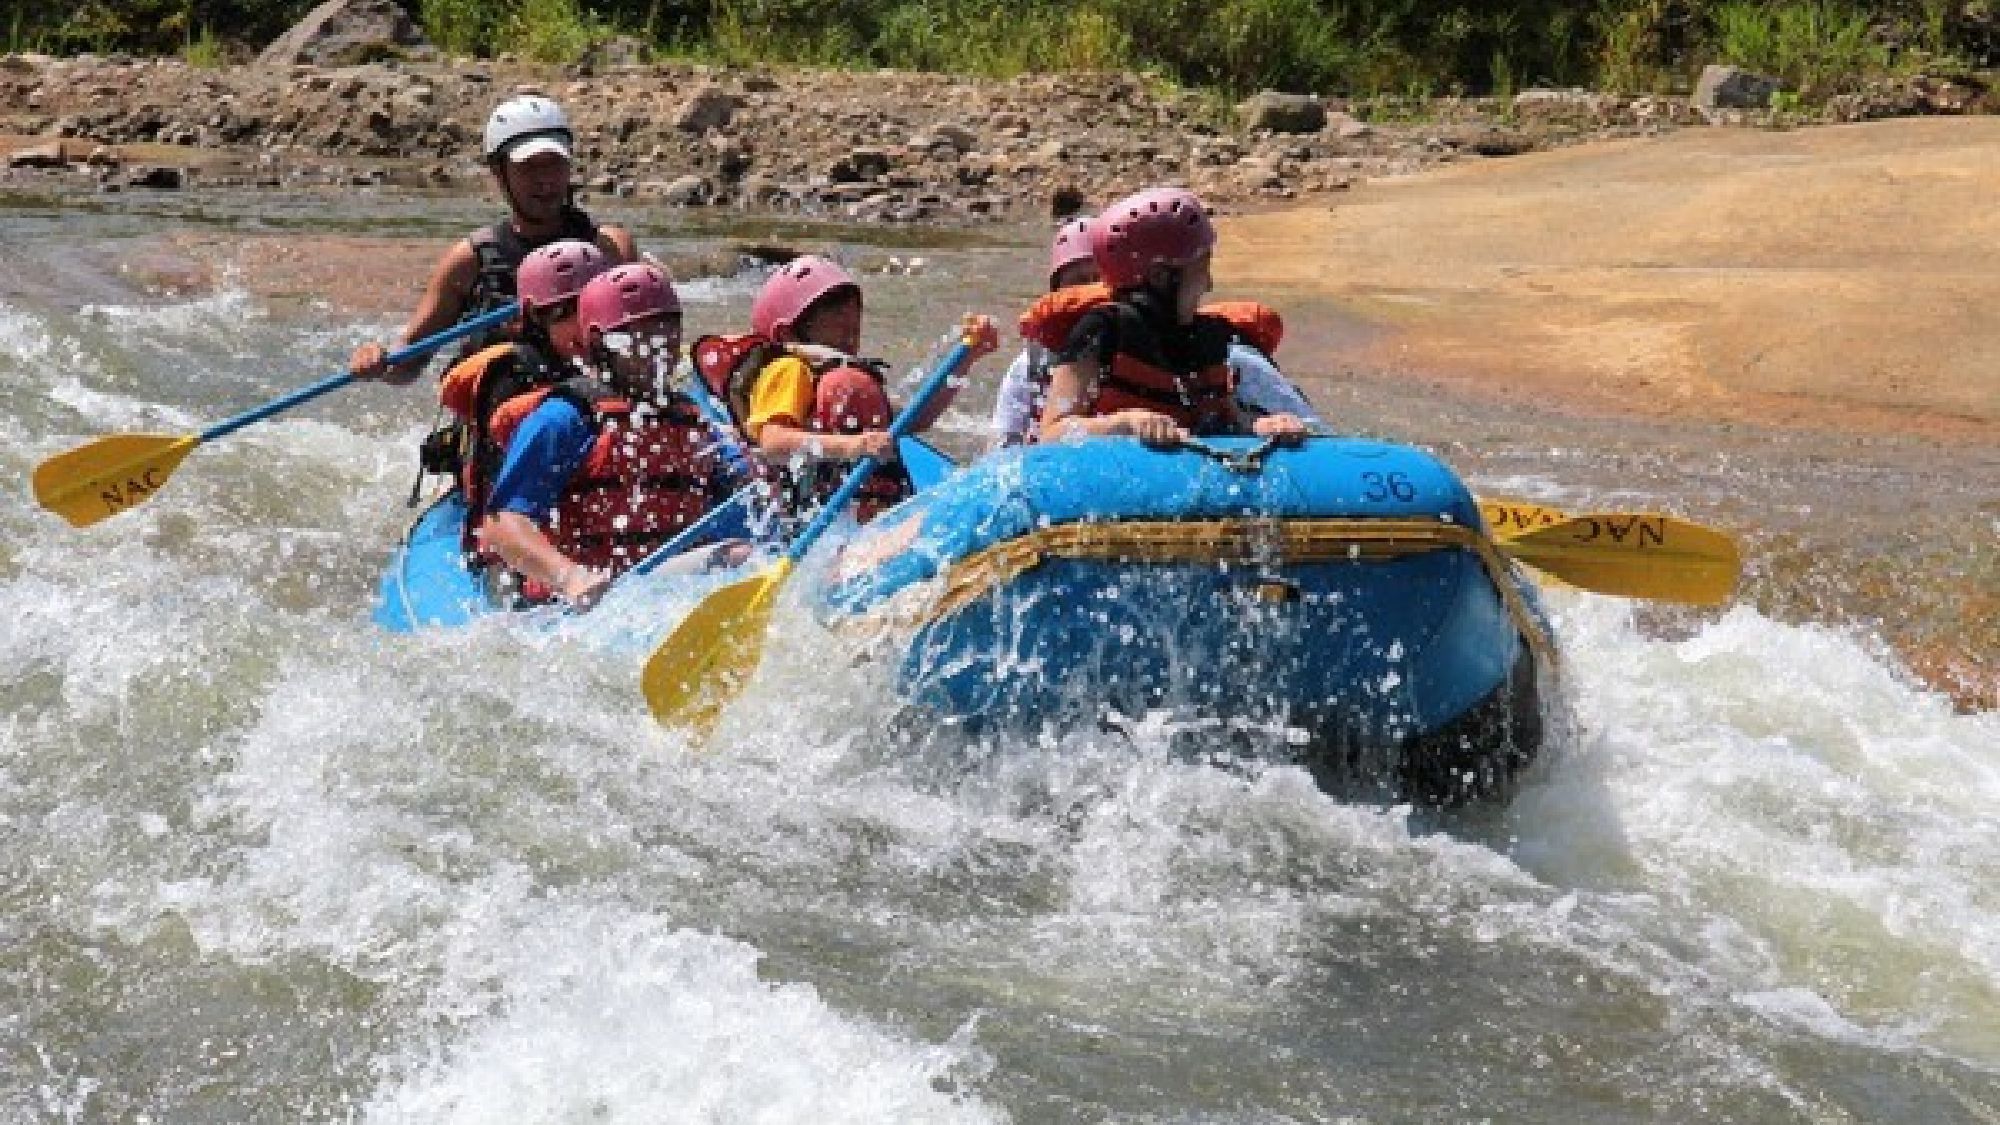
x,y
499,167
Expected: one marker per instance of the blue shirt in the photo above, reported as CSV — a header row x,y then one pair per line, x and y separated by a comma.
x,y
544,453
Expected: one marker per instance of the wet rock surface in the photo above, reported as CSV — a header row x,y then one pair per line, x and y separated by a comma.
x,y
879,146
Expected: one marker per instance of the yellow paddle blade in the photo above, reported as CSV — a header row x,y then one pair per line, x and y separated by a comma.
x,y
1634,555
704,663
99,480
1506,519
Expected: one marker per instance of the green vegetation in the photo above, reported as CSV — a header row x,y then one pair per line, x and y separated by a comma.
x,y
205,50
551,31
1365,47
1815,47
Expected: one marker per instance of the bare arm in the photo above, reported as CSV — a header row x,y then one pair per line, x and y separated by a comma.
x,y
779,443
523,546
441,306
983,337
1072,385
618,244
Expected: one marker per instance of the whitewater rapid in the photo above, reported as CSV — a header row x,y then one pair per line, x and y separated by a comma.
x,y
265,863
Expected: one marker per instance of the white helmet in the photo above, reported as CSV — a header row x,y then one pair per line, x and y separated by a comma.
x,y
527,126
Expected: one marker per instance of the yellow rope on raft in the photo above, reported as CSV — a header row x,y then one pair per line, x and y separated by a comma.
x,y
1281,542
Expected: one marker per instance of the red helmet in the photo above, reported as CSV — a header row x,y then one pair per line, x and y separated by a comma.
x,y
796,287
1072,245
619,296
1159,226
557,272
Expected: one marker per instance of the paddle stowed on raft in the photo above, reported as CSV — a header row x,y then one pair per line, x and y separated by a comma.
x,y
118,472
705,662
1626,554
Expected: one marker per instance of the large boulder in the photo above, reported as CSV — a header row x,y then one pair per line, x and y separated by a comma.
x,y
345,32
1732,87
1282,113
710,107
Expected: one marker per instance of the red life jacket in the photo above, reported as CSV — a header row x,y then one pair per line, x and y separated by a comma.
x,y
650,472
850,396
730,366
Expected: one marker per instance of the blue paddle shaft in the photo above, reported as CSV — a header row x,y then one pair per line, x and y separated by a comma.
x,y
691,532
719,424
417,350
865,468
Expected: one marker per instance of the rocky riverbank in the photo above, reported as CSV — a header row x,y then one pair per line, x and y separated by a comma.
x,y
871,147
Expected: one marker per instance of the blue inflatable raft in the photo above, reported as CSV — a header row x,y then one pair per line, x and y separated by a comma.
x,y
427,583
1343,592
1342,589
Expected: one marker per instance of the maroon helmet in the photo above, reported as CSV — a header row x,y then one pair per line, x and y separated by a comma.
x,y
623,294
557,272
1157,227
793,289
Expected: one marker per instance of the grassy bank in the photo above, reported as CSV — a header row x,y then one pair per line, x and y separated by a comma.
x,y
1333,46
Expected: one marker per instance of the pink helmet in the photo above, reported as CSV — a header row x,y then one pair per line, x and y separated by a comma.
x,y
1159,226
792,290
1072,245
557,272
623,294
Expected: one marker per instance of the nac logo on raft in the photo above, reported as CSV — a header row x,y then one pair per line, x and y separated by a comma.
x,y
133,491
1635,530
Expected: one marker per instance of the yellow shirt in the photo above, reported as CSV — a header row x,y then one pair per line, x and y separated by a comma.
x,y
783,393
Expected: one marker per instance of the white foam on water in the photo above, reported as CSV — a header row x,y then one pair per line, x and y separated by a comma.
x,y
45,360
707,290
1537,487
25,341
609,1016
227,319
1828,824
120,413
456,819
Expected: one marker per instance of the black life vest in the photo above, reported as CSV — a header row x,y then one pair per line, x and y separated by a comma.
x,y
1197,391
500,250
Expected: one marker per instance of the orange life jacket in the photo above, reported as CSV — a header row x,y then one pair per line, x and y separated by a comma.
x,y
1203,401
1256,323
475,390
1050,319
650,472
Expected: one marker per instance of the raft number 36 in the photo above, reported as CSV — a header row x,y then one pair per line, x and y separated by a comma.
x,y
1379,486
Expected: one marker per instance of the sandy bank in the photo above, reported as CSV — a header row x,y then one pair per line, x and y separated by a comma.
x,y
1836,278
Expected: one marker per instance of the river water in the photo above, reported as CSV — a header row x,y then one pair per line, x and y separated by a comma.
x,y
262,863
